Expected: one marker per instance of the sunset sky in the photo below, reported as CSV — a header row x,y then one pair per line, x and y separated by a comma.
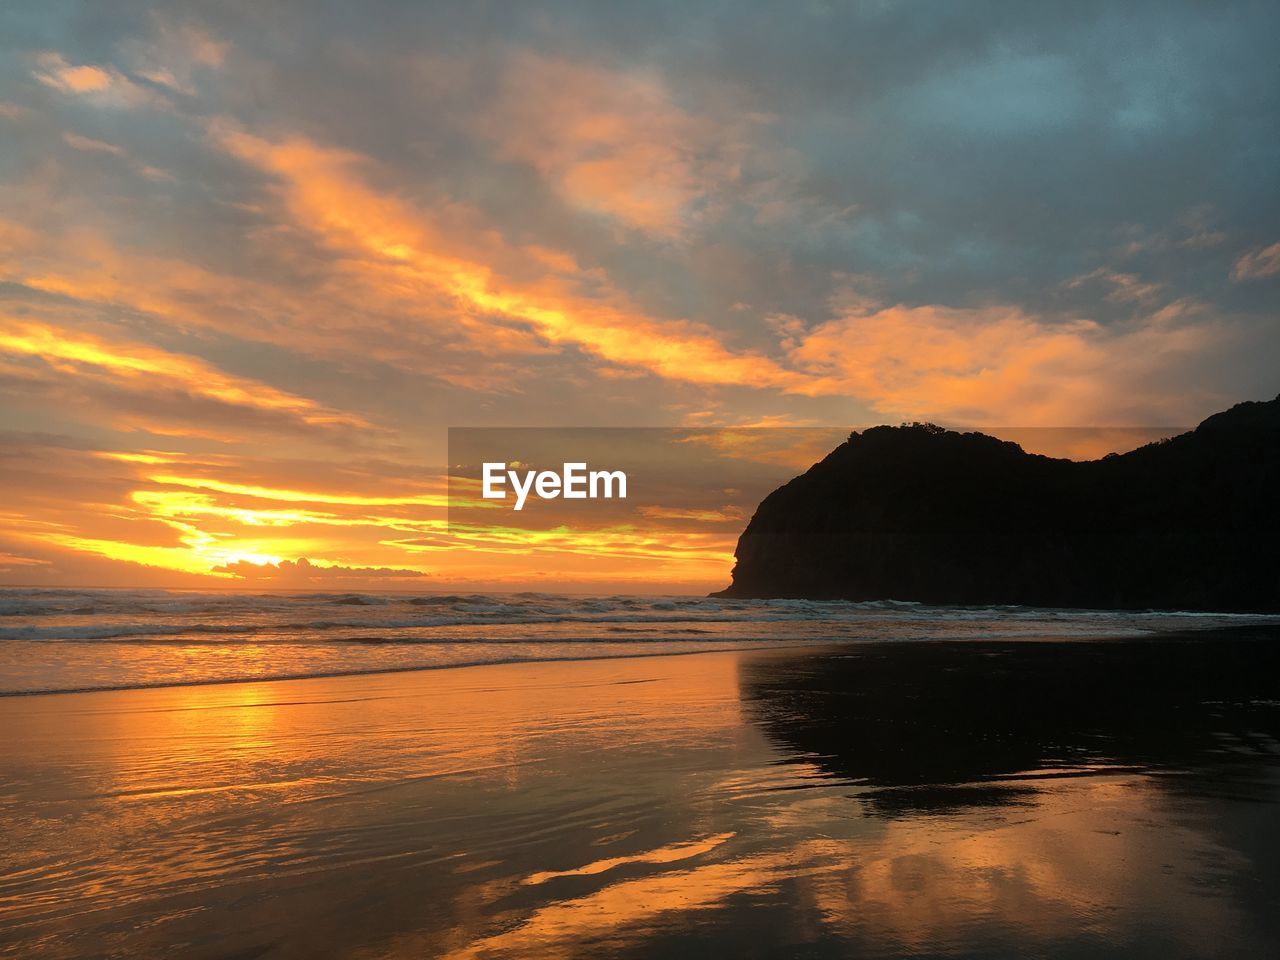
x,y
255,259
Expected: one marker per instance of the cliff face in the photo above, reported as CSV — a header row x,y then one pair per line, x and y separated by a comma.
x,y
920,513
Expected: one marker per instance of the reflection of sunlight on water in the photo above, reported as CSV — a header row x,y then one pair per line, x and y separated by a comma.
x,y
243,723
1097,859
556,810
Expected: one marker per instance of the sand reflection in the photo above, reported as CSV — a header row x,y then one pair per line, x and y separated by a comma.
x,y
1091,865
1104,862
659,807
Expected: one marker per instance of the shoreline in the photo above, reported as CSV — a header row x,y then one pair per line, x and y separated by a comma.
x,y
419,668
1244,631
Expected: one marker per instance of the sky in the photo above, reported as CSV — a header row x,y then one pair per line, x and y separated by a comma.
x,y
256,259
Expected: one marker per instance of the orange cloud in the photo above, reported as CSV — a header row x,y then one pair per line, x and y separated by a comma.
x,y
402,248
218,517
301,496
304,573
614,143
1258,264
438,291
143,369
723,515
795,447
104,84
179,559
1002,365
617,551
56,72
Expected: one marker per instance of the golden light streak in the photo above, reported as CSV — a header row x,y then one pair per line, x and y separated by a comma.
x,y
299,496
723,515
618,542
80,354
164,503
152,459
181,559
174,503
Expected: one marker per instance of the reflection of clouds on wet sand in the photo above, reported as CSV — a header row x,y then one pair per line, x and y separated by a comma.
x,y
627,909
669,854
116,802
1090,859
1094,861
616,808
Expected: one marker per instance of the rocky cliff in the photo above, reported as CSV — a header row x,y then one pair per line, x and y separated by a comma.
x,y
931,515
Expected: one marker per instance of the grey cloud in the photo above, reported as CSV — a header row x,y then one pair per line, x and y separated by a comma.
x,y
946,154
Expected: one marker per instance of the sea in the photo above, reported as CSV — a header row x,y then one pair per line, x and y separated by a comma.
x,y
62,640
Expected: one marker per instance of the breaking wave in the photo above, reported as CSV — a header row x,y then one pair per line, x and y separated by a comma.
x,y
91,639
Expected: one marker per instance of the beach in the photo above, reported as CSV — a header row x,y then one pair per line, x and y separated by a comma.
x,y
877,799
631,481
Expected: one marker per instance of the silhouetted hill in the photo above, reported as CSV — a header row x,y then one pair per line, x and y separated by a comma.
x,y
926,514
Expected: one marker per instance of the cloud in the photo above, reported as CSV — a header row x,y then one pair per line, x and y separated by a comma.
x,y
1120,287
303,573
303,496
88,144
175,53
1258,265
184,516
9,562
188,515
614,142
645,217
140,380
1000,365
727,514
401,247
56,72
105,85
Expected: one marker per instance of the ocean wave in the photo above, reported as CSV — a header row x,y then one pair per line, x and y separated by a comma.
x,y
105,639
102,615
493,618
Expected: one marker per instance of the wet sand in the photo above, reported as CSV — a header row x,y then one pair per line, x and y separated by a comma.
x,y
976,799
